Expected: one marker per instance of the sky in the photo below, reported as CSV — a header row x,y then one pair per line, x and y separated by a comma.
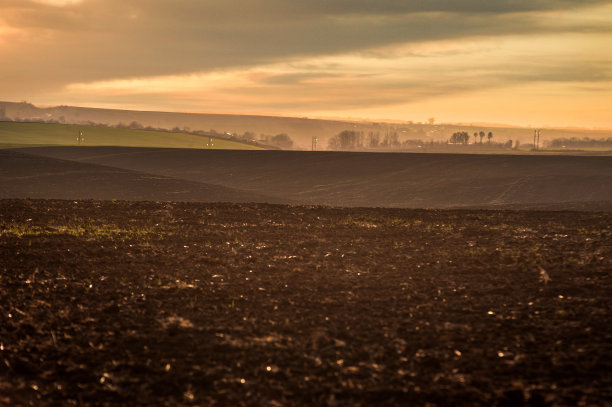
x,y
521,62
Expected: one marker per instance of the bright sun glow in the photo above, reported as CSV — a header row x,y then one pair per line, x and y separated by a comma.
x,y
59,3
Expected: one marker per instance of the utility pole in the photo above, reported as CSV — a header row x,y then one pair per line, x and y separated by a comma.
x,y
536,140
314,143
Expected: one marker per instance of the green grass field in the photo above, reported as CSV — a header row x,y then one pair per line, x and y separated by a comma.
x,y
13,134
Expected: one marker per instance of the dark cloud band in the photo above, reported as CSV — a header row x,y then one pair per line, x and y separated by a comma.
x,y
108,39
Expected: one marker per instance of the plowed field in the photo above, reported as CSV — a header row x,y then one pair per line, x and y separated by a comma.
x,y
143,303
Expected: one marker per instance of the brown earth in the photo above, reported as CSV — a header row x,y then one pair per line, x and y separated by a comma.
x,y
141,303
30,176
370,179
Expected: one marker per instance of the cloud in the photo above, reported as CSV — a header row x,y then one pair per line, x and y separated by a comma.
x,y
465,6
58,3
278,55
104,39
412,74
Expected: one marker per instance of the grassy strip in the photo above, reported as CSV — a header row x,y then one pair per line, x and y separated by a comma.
x,y
16,134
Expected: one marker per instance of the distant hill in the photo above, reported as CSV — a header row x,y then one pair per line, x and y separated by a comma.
x,y
371,179
301,130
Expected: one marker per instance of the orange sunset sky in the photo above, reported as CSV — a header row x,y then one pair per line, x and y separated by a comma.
x,y
522,62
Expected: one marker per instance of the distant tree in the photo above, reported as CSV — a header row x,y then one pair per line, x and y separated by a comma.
x,y
332,143
351,139
431,121
413,143
373,139
481,134
575,142
250,136
460,137
490,136
135,125
393,139
508,144
385,142
475,137
282,140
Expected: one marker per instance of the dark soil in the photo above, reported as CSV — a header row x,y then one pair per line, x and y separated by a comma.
x,y
142,303
356,179
31,176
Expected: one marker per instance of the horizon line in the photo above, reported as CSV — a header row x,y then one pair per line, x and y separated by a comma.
x,y
346,119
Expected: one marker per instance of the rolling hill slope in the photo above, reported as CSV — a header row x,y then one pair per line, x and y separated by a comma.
x,y
28,176
370,179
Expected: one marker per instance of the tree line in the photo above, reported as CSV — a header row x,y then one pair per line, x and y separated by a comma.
x,y
355,140
585,142
351,140
463,137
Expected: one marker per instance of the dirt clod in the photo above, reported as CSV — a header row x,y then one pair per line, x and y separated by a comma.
x,y
105,303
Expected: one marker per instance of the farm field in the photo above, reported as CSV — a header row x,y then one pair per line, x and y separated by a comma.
x,y
115,302
29,176
14,134
363,179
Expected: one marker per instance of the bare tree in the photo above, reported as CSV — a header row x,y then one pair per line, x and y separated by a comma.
x,y
373,139
347,140
282,140
460,137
